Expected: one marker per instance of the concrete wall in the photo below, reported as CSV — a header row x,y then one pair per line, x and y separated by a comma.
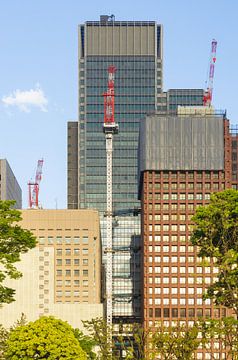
x,y
9,187
121,40
46,287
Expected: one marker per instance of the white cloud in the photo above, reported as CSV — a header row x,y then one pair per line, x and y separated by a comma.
x,y
25,100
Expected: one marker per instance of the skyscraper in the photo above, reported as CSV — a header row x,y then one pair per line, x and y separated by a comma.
x,y
189,158
135,48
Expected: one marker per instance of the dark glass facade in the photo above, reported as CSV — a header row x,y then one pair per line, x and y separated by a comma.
x,y
135,96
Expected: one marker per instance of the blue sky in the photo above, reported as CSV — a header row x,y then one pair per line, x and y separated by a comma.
x,y
38,42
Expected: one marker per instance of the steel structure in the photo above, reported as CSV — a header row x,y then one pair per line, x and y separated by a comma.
x,y
33,187
109,128
207,98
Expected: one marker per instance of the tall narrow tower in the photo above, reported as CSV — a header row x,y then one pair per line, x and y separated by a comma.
x,y
109,128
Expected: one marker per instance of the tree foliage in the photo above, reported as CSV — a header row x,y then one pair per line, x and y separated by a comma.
x,y
46,338
178,342
14,241
86,343
216,234
99,330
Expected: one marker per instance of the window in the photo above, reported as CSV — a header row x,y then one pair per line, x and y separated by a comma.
x,y
76,251
157,312
85,251
67,261
175,313
59,262
67,272
76,272
85,272
68,251
166,312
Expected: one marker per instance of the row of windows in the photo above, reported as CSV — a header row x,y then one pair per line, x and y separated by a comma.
x,y
61,240
182,270
175,291
75,251
180,301
185,174
182,207
166,227
173,248
69,293
190,280
182,186
167,237
181,196
68,272
60,262
181,313
69,282
168,217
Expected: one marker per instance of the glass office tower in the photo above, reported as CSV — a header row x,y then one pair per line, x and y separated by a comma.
x,y
135,49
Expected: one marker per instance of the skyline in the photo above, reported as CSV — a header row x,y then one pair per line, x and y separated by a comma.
x,y
39,59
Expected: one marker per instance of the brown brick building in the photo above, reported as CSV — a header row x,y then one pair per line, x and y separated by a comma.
x,y
182,160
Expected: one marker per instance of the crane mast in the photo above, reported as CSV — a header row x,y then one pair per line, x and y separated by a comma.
x,y
207,98
109,128
34,187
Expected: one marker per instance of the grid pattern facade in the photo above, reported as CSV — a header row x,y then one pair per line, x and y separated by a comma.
x,y
175,278
136,52
170,100
74,239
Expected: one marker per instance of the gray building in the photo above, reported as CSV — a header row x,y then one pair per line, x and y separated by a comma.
x,y
170,100
135,48
9,187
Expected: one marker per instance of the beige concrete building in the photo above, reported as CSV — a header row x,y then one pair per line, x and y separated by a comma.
x,y
62,275
9,187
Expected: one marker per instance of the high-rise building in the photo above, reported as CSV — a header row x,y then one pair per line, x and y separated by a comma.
x,y
62,274
9,187
135,49
183,159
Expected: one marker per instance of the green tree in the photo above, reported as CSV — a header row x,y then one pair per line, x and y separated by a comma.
x,y
99,330
86,343
177,342
14,241
45,338
216,234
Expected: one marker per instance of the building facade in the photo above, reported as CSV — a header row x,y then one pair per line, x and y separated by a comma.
x,y
9,187
135,49
183,159
62,275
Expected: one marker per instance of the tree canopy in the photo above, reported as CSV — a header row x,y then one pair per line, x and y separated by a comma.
x,y
45,338
216,234
14,241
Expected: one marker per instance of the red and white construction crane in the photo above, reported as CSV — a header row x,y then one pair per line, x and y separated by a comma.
x,y
207,98
109,128
34,187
